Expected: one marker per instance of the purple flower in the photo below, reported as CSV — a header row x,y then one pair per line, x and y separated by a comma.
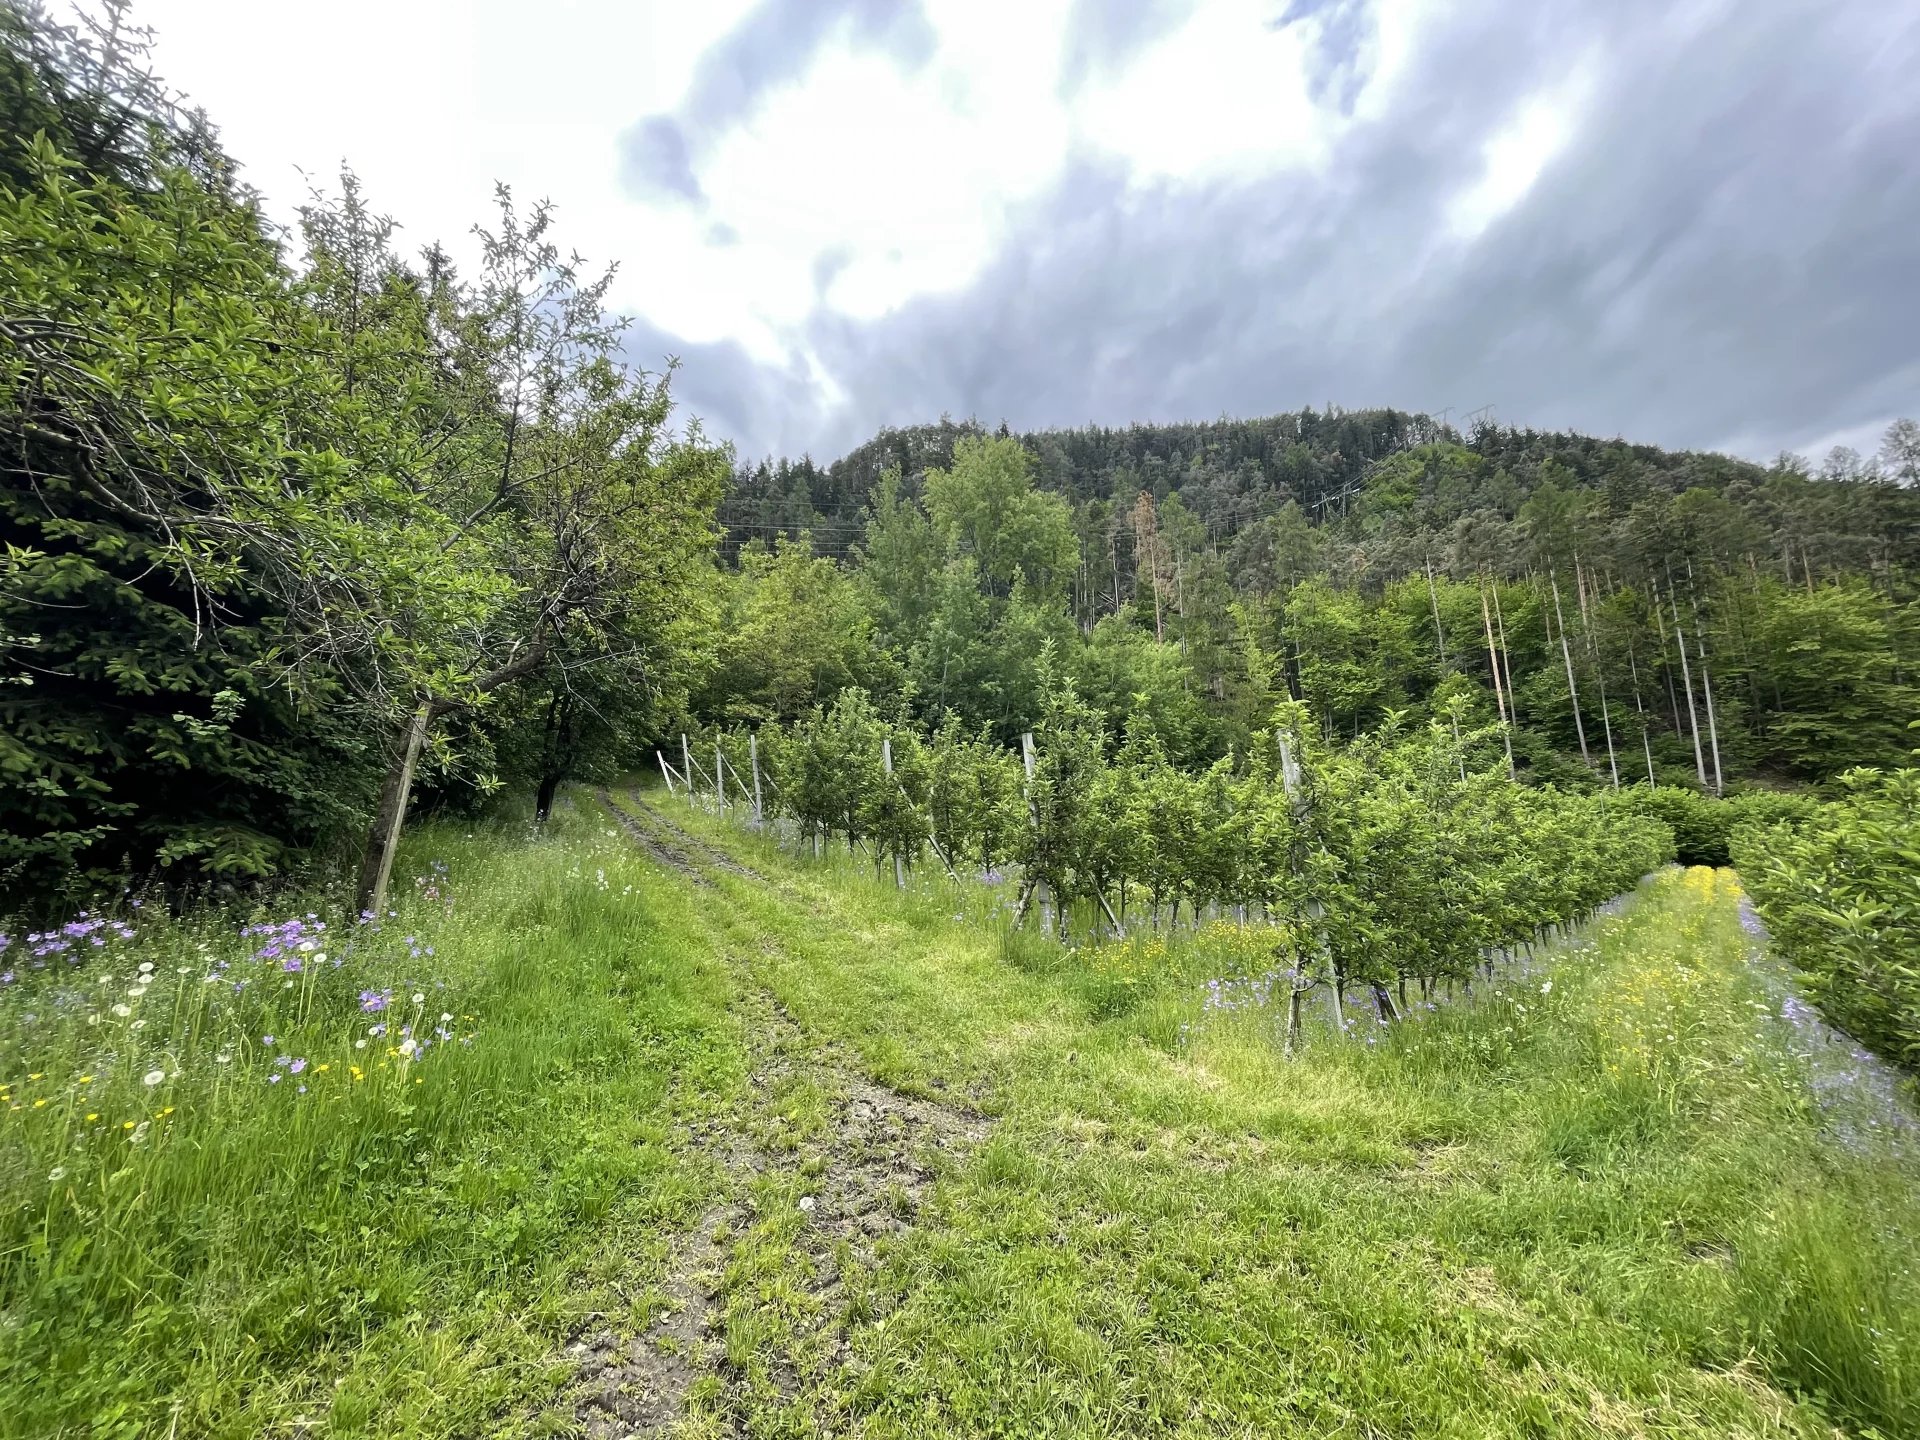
x,y
266,1039
280,1062
6,977
296,1066
291,964
274,1078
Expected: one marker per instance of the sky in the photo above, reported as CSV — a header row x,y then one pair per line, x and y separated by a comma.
x,y
1687,222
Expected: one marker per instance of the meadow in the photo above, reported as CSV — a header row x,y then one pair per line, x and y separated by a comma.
x,y
475,1167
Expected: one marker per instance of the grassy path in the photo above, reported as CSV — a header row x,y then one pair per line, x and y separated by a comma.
x,y
1603,1209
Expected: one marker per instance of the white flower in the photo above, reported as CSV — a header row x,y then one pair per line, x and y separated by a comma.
x,y
359,1044
153,1077
123,1010
1546,987
183,970
445,1015
223,1058
57,1174
138,1025
305,947
146,967
806,1202
139,1133
321,958
136,991
418,998
407,1047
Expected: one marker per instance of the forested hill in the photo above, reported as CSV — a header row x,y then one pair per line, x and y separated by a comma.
x,y
1375,564
1402,488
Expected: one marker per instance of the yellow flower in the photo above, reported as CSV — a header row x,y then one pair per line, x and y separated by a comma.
x,y
93,1117
38,1103
36,1075
86,1079
167,1111
127,1125
319,1068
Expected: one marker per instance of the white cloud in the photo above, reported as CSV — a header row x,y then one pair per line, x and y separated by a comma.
x,y
1516,155
1227,93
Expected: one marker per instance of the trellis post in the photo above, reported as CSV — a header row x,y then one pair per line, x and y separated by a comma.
x,y
753,764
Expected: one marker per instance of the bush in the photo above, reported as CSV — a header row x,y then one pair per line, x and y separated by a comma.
x,y
1703,827
1840,891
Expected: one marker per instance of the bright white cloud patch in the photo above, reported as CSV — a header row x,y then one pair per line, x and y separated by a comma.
x,y
1515,157
1228,92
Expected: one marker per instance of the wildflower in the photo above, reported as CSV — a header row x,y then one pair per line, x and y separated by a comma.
x,y
146,967
38,1103
321,1069
266,1039
408,1047
297,1066
360,1044
123,1010
93,1116
153,1078
418,998
280,1062
128,1125
376,1030
1546,987
86,1079
57,1174
223,1058
139,1133
274,1078
374,1001
300,1090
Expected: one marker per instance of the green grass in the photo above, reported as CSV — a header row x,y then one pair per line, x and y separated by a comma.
x,y
1602,1208
401,1253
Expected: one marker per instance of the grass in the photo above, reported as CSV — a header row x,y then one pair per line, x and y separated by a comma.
x,y
1599,1201
400,1249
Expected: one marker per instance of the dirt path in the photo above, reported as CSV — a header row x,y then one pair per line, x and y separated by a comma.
x,y
863,1159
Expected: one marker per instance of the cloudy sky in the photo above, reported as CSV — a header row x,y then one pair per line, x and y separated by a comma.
x,y
1694,222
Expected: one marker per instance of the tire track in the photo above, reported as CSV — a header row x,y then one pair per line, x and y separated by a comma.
x,y
866,1168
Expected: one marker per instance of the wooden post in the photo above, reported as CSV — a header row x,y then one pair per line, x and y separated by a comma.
x,y
719,777
1033,818
886,764
753,764
666,770
384,836
686,765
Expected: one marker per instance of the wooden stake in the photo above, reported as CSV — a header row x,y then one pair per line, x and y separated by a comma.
x,y
753,764
886,763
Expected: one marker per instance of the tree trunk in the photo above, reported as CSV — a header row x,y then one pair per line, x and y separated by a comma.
x,y
543,801
383,837
1566,654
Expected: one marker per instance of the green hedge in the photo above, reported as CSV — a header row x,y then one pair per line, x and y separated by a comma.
x,y
1840,892
1703,827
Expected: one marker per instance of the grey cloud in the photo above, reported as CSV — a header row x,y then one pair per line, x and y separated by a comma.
x,y
774,46
658,161
1102,36
1723,254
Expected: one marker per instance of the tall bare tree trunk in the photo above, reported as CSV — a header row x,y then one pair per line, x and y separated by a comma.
x,y
1499,691
1686,679
1566,654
